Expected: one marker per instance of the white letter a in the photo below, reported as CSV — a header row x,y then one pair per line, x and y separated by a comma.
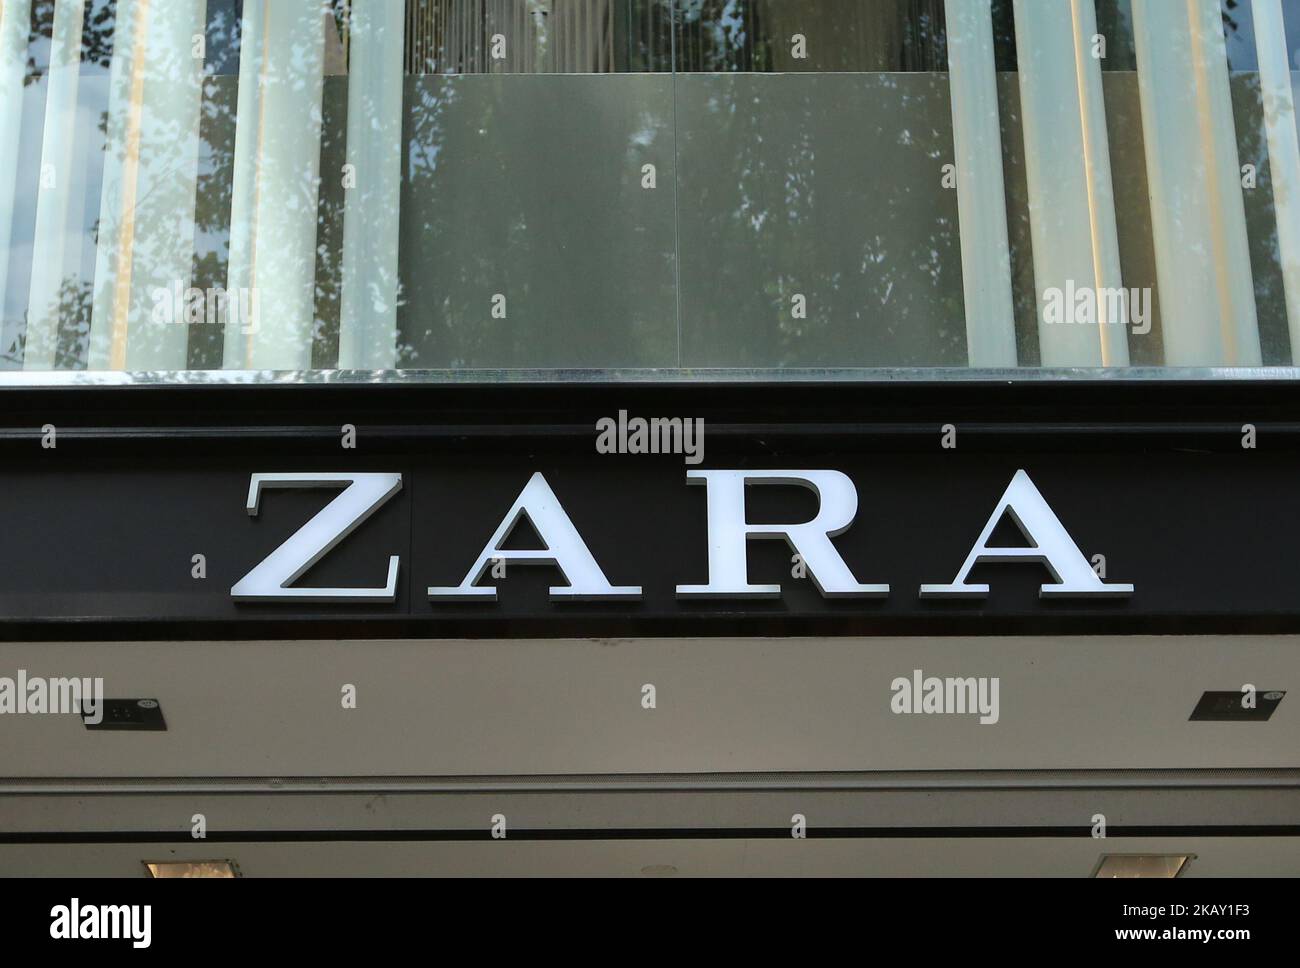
x,y
1049,543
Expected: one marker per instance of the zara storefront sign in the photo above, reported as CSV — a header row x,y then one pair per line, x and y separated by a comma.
x,y
728,528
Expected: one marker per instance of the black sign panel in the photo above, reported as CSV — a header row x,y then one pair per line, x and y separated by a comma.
x,y
1201,537
1186,491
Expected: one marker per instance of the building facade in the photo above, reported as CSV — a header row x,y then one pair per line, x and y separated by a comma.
x,y
649,436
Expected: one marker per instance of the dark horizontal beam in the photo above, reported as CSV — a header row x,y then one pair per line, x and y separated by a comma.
x,y
792,416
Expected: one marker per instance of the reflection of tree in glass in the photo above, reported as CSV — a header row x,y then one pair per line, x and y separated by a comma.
x,y
156,238
215,179
507,193
780,195
96,35
72,305
73,340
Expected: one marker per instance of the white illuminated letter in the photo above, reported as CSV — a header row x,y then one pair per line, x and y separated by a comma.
x,y
562,548
1050,544
363,495
729,534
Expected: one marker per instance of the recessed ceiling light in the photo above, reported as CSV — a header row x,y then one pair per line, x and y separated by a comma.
x,y
136,714
191,868
1142,865
1229,707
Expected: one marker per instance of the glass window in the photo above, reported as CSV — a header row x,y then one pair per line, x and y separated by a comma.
x,y
581,189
